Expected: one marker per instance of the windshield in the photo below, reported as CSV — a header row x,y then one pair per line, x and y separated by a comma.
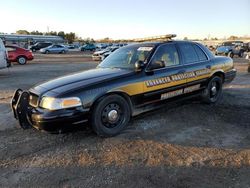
x,y
127,56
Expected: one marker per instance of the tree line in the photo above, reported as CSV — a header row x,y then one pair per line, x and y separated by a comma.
x,y
70,37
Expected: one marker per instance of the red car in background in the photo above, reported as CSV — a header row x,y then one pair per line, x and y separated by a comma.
x,y
19,55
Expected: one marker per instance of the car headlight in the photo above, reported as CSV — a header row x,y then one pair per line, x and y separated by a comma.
x,y
51,103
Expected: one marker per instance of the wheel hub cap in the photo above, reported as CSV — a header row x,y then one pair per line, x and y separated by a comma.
x,y
113,115
21,60
214,90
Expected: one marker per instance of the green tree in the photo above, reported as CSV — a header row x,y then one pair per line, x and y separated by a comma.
x,y
36,33
22,32
61,34
233,37
54,33
70,37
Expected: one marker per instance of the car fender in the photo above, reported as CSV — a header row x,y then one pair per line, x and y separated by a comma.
x,y
117,92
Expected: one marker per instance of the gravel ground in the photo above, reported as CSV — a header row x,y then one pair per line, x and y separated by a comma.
x,y
187,144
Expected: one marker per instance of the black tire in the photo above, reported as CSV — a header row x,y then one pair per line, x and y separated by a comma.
x,y
241,53
110,115
230,54
21,60
63,51
213,92
33,50
47,52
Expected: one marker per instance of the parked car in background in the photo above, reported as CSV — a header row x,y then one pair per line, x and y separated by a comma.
x,y
97,56
88,47
101,46
19,55
56,48
106,54
70,46
231,48
3,56
39,45
119,45
247,46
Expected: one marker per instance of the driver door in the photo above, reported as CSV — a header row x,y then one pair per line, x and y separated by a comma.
x,y
165,77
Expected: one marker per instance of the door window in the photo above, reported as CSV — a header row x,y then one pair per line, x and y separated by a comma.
x,y
165,56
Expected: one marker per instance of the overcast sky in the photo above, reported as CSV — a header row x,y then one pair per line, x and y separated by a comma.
x,y
128,18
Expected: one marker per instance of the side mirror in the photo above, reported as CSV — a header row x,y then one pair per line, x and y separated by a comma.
x,y
139,65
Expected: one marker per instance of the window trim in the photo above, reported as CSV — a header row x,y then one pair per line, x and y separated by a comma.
x,y
172,66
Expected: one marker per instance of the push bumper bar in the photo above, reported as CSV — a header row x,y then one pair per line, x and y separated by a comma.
x,y
20,105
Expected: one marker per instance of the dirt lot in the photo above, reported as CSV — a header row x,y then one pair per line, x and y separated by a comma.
x,y
187,144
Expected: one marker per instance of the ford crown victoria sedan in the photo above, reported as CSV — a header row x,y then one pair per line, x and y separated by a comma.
x,y
130,81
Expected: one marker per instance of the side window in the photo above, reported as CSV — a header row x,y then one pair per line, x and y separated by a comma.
x,y
165,56
189,53
201,55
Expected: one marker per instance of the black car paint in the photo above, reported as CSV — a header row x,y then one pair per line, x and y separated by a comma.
x,y
92,85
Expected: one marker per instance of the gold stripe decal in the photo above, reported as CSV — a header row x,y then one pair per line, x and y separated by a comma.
x,y
180,92
176,77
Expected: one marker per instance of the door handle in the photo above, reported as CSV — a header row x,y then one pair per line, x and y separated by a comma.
x,y
208,66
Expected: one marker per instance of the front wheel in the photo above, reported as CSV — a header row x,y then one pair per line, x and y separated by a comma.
x,y
110,115
22,60
213,91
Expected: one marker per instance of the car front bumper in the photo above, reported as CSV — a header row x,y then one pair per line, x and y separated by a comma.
x,y
96,58
43,119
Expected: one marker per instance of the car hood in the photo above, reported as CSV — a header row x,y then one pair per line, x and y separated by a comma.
x,y
80,80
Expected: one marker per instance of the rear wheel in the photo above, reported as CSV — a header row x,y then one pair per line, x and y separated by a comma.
x,y
213,92
241,53
110,115
63,52
47,52
230,54
22,60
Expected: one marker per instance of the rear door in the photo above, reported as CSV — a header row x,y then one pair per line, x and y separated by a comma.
x,y
196,63
165,78
54,49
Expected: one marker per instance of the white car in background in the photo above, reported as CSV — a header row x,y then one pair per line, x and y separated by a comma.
x,y
97,56
3,56
106,54
101,55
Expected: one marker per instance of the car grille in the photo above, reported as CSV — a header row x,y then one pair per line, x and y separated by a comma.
x,y
33,100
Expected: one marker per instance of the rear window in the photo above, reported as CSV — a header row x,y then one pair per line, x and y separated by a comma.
x,y
201,55
189,53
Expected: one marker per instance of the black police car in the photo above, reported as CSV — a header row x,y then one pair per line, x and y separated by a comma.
x,y
131,80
